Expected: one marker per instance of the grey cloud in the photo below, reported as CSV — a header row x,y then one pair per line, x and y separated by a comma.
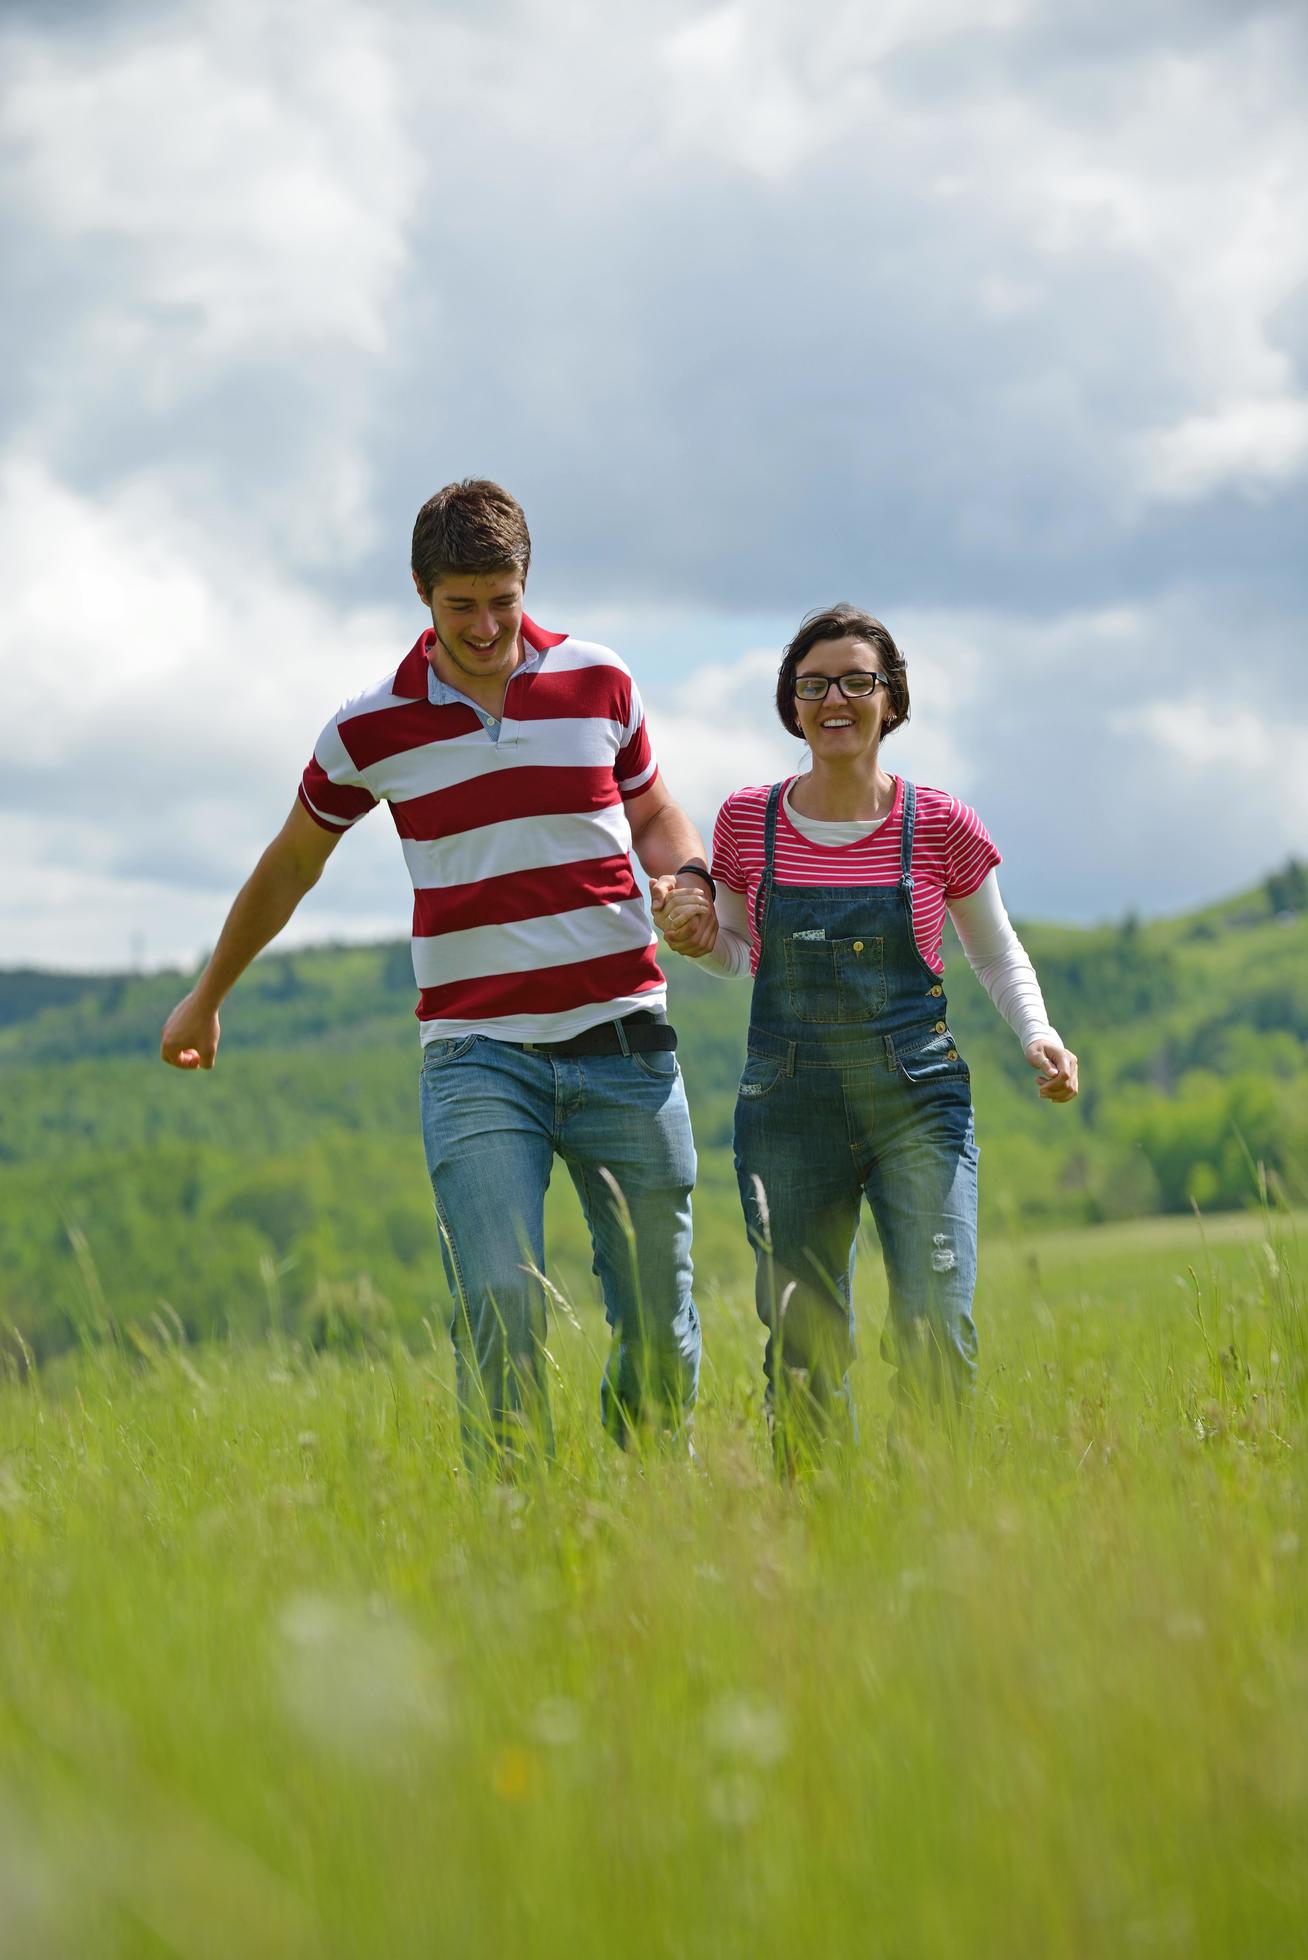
x,y
91,19
712,389
1095,814
723,393
745,407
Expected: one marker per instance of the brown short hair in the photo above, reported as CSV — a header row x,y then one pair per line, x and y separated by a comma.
x,y
842,622
469,528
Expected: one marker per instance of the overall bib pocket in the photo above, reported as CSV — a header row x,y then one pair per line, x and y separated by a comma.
x,y
834,980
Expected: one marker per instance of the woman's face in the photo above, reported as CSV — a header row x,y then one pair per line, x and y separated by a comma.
x,y
836,728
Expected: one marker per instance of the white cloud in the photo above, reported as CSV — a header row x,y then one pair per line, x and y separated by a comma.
x,y
218,215
1245,756
1184,174
1179,174
254,162
765,87
720,731
963,299
1254,445
162,694
164,687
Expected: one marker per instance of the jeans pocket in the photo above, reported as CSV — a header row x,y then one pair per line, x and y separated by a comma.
x,y
761,1076
660,1064
446,1049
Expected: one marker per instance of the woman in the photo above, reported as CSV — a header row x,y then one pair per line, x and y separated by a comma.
x,y
832,888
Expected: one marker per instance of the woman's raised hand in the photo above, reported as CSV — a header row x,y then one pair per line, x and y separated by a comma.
x,y
1057,1068
684,915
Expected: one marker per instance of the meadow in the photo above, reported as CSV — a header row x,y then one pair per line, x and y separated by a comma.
x,y
276,1680
289,1182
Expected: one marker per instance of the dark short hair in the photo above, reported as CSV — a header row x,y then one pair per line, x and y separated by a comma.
x,y
842,622
469,528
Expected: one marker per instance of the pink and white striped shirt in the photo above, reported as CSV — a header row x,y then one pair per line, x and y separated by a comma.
x,y
528,923
952,855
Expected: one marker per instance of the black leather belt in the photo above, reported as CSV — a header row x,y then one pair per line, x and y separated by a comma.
x,y
643,1033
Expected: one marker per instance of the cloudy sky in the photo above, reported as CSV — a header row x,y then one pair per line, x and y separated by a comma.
x,y
990,315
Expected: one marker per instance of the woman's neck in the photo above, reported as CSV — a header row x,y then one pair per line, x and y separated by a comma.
x,y
855,792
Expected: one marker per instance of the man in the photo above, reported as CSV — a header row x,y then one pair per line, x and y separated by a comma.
x,y
520,775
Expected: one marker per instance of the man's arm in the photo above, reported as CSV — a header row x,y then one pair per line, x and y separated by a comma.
x,y
664,838
291,866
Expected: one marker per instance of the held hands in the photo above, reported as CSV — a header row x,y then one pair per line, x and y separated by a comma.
x,y
190,1035
684,915
1057,1069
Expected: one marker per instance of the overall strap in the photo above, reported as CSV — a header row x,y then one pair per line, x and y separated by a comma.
x,y
906,837
769,853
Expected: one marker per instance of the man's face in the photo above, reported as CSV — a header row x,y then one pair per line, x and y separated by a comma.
x,y
478,617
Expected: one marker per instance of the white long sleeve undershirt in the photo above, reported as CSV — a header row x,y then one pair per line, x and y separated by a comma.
x,y
994,952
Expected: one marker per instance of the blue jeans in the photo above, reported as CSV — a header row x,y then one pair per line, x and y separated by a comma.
x,y
813,1138
493,1118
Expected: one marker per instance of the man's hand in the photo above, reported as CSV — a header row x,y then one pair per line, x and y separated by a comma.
x,y
684,914
190,1035
1057,1069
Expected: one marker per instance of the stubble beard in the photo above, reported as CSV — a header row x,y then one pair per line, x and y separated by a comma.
x,y
478,673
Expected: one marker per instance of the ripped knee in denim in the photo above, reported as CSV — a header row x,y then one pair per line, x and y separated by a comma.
x,y
943,1257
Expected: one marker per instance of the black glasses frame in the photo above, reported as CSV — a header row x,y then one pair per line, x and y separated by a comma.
x,y
861,693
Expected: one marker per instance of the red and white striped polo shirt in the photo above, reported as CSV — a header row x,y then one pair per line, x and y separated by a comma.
x,y
528,923
952,854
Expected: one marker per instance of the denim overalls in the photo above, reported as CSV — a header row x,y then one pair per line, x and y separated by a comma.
x,y
853,1085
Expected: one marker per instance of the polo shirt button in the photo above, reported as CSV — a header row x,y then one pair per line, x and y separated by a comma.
x,y
858,945
940,1027
937,990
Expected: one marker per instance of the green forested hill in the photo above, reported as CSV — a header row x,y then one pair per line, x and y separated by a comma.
x,y
289,1182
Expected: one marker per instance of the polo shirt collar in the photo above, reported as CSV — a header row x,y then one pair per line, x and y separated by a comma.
x,y
417,680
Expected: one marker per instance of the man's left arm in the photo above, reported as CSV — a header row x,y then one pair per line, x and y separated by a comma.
x,y
664,839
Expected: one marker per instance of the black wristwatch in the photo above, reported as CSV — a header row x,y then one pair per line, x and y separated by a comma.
x,y
701,870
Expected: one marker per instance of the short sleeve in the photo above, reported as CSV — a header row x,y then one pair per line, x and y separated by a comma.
x,y
726,850
635,766
331,788
970,854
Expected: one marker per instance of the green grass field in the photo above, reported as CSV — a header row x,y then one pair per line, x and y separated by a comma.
x,y
275,1681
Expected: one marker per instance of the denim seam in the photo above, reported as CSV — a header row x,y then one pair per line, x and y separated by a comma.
x,y
854,1144
581,1173
455,1261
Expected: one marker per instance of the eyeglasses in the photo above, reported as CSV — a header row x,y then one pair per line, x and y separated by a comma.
x,y
815,687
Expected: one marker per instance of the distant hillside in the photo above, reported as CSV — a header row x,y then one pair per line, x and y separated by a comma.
x,y
290,1181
